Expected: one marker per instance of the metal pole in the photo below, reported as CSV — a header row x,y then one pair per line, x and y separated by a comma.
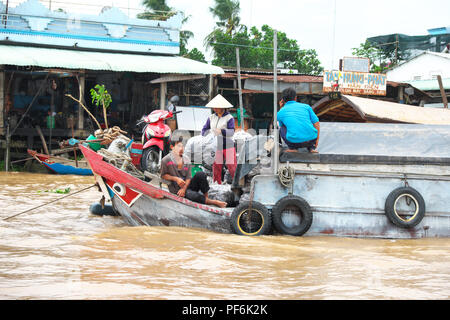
x,y
275,155
238,64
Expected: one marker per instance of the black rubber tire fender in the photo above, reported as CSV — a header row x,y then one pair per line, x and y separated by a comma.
x,y
239,216
306,216
394,216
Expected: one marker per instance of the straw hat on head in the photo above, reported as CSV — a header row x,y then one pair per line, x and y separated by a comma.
x,y
219,102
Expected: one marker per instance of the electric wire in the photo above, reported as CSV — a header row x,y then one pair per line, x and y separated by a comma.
x,y
252,47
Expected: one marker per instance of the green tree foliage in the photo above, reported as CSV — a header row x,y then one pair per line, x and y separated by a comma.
x,y
157,5
227,12
195,54
156,10
256,50
185,35
381,57
256,46
100,96
367,50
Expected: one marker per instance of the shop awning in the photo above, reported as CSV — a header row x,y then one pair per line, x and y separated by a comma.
x,y
357,109
101,61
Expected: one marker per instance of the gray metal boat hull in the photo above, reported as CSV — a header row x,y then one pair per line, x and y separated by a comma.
x,y
167,212
352,204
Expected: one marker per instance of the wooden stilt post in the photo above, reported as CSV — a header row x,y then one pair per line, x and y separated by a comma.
x,y
443,94
41,135
211,87
81,86
3,115
8,142
162,95
2,98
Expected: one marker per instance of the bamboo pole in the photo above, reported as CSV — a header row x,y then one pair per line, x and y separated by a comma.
x,y
86,109
41,205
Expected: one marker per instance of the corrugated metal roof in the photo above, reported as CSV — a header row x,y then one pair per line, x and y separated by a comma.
x,y
429,85
291,78
104,61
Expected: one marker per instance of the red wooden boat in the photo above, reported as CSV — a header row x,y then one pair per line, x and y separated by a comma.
x,y
143,203
62,165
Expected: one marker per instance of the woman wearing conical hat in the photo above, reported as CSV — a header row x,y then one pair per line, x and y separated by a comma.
x,y
221,123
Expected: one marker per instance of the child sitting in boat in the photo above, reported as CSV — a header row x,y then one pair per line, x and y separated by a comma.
x,y
177,170
299,125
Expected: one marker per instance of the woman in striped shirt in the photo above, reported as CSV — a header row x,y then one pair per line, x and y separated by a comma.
x,y
221,123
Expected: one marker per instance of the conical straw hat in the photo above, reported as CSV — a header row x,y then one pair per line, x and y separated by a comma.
x,y
219,102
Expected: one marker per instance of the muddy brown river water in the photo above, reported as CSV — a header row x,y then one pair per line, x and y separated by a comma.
x,y
61,251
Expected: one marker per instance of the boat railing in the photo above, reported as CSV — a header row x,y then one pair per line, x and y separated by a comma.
x,y
371,174
327,158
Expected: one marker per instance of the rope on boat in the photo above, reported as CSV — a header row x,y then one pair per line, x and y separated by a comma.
x,y
28,210
108,135
122,161
286,176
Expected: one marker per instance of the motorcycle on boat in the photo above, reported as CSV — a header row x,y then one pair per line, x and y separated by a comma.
x,y
155,139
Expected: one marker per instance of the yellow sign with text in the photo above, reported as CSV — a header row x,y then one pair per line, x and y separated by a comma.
x,y
356,83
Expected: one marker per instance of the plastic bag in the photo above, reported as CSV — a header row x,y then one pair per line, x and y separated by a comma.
x,y
192,147
241,135
221,192
202,149
119,145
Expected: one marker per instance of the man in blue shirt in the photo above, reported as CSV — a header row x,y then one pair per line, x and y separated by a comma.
x,y
299,125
